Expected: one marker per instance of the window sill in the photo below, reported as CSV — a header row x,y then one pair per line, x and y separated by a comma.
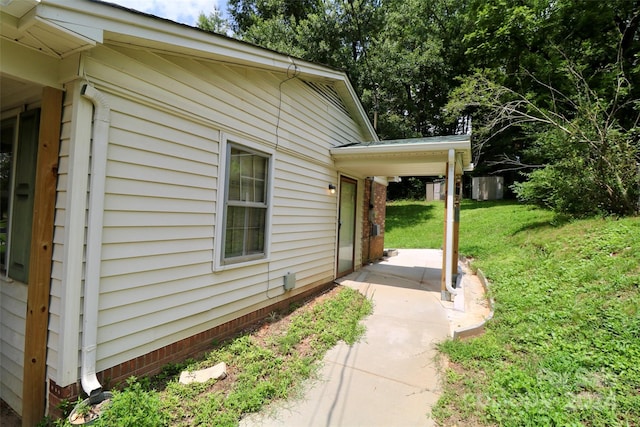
x,y
218,268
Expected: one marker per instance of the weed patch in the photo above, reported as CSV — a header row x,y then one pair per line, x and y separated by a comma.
x,y
269,362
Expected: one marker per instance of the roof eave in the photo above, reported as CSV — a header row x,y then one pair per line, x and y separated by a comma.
x,y
410,157
426,147
107,22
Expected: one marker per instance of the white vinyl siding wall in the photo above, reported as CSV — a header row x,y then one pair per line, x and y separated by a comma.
x,y
167,118
13,309
57,292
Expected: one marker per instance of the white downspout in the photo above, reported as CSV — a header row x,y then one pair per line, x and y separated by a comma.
x,y
451,169
100,136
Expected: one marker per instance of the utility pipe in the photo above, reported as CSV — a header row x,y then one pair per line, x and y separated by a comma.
x,y
100,136
451,168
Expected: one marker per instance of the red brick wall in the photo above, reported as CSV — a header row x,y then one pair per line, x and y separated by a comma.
x,y
373,246
192,347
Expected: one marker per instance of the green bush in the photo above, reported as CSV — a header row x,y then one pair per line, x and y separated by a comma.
x,y
564,187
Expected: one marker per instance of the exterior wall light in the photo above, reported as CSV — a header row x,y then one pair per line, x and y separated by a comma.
x,y
332,189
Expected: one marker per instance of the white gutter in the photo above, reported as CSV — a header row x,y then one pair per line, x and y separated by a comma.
x,y
449,237
93,19
100,137
411,148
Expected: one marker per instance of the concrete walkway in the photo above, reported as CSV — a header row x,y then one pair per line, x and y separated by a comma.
x,y
391,377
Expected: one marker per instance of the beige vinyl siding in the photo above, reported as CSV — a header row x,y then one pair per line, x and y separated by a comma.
x,y
168,114
304,220
57,291
158,227
13,306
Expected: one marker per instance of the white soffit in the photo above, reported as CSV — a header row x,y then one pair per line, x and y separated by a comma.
x,y
44,30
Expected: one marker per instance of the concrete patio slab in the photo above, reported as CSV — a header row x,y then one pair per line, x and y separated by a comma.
x,y
391,377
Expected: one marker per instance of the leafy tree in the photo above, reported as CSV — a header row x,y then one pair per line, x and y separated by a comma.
x,y
402,56
414,63
214,22
551,85
587,161
330,32
557,98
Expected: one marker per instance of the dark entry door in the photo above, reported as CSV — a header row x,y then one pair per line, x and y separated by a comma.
x,y
346,226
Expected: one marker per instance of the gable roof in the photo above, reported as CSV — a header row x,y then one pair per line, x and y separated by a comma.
x,y
54,30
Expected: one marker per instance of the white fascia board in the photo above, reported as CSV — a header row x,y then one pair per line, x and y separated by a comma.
x,y
173,36
61,22
17,8
346,91
417,148
87,34
7,20
69,22
99,22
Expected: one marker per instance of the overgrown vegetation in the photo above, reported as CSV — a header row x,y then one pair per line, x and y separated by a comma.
x,y
134,406
562,347
268,363
578,156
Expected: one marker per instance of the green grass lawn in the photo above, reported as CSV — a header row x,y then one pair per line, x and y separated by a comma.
x,y
563,348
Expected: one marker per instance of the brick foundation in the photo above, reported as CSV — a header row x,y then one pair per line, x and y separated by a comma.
x,y
191,347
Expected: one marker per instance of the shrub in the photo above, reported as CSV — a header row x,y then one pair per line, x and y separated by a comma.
x,y
133,407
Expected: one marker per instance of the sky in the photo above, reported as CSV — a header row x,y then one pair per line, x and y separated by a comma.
x,y
183,11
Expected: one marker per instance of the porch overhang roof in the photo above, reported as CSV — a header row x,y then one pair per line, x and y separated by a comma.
x,y
404,157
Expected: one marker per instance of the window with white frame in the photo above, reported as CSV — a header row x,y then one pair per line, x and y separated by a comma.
x,y
246,204
18,155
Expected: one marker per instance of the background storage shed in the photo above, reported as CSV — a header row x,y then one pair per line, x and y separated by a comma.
x,y
487,188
